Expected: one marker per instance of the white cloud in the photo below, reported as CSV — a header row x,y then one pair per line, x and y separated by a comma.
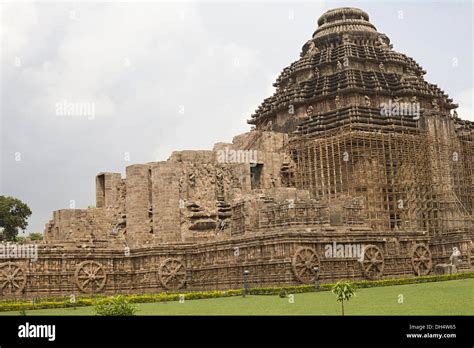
x,y
138,65
466,104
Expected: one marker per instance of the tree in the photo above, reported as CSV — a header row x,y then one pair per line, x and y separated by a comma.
x,y
343,291
35,236
13,216
20,239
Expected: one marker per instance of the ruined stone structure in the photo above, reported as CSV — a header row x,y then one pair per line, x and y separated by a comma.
x,y
356,165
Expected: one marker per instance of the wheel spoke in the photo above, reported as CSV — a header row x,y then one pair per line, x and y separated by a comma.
x,y
15,284
172,274
421,259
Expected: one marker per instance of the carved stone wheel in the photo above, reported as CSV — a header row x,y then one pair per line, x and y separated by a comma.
x,y
304,261
421,259
172,274
90,276
12,278
372,262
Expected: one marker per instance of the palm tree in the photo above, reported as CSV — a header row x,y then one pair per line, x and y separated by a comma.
x,y
344,291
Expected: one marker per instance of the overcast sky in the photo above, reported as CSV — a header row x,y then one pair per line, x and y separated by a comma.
x,y
166,77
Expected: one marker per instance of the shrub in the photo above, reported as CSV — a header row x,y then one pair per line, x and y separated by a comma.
x,y
114,306
60,302
283,293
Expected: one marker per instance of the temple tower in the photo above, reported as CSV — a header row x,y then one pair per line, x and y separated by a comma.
x,y
363,122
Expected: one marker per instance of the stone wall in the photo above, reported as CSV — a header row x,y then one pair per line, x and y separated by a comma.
x,y
322,164
280,256
186,198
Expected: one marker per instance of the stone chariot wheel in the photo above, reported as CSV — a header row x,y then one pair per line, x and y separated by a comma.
x,y
421,259
372,262
172,274
12,278
304,261
90,276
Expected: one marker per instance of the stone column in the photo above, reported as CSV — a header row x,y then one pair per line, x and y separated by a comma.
x,y
137,205
106,189
165,193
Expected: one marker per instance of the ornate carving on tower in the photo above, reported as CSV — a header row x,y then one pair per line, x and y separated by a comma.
x,y
346,39
344,35
338,102
192,179
367,101
220,186
309,49
384,42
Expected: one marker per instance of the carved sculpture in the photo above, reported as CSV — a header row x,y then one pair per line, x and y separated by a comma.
x,y
372,262
12,278
90,276
421,260
172,274
304,261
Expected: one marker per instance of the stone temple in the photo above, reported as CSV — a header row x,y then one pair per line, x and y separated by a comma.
x,y
356,167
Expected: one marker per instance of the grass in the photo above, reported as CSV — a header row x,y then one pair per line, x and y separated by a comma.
x,y
455,297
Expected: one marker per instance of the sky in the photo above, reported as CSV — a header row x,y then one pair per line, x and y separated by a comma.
x,y
164,76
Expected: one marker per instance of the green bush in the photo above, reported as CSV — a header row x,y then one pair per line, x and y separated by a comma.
x,y
114,306
35,236
60,302
20,239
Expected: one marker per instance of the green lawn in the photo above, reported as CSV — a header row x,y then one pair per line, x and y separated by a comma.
x,y
455,297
